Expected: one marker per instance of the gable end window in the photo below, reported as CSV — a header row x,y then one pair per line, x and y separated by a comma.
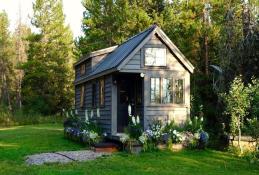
x,y
82,96
101,92
155,56
82,69
166,91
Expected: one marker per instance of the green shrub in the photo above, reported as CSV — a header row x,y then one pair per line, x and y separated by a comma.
x,y
20,117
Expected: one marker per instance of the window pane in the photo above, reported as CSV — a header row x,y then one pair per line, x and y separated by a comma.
x,y
167,91
155,57
179,91
155,90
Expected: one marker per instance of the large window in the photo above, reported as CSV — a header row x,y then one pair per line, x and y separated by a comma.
x,y
179,91
82,95
101,92
166,91
155,90
155,57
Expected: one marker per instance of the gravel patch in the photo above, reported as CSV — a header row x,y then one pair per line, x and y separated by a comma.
x,y
63,157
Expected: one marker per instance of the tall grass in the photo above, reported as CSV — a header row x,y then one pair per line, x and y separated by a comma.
x,y
8,118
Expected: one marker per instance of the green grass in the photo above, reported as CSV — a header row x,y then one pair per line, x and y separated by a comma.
x,y
17,142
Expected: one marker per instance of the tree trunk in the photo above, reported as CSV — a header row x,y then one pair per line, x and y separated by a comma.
x,y
239,136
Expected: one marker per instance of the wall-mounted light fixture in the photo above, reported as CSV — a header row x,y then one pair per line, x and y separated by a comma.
x,y
142,75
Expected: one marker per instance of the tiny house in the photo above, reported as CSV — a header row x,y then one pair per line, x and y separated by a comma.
x,y
147,73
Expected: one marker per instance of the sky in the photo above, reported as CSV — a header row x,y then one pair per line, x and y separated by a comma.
x,y
73,10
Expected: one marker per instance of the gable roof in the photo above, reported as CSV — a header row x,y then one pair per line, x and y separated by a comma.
x,y
118,57
96,53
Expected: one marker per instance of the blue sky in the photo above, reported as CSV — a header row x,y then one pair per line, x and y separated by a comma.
x,y
73,10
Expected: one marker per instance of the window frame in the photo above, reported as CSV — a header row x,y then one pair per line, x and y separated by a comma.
x,y
82,69
155,65
82,95
183,92
173,91
101,92
155,90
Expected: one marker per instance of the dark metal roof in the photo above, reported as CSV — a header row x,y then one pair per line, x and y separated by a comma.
x,y
113,59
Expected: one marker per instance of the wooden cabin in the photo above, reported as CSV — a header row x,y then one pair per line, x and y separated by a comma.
x,y
147,72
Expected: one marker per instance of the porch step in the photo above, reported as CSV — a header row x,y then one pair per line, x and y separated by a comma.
x,y
108,147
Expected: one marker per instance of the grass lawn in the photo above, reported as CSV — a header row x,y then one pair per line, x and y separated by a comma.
x,y
17,142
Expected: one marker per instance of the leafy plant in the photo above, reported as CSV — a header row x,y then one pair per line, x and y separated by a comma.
x,y
237,104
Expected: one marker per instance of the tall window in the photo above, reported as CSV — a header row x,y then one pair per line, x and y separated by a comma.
x,y
167,90
101,92
179,91
155,90
94,95
155,56
82,69
82,96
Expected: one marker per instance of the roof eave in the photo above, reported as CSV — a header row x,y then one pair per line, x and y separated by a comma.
x,y
91,77
96,53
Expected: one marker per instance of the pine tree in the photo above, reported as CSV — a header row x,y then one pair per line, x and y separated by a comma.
x,y
108,22
6,62
47,85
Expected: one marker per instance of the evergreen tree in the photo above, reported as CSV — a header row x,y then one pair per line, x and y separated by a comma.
x,y
47,84
21,46
6,62
107,23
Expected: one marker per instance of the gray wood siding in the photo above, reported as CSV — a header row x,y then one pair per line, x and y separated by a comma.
x,y
104,121
96,60
175,70
88,68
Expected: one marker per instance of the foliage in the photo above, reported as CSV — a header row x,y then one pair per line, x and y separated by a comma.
x,y
253,130
8,118
237,104
7,54
86,132
134,128
49,62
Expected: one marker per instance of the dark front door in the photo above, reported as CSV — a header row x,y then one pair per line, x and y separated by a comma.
x,y
129,92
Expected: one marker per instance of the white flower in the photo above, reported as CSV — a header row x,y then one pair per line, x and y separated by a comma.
x,y
93,135
174,132
76,112
124,138
129,110
137,120
133,120
201,119
143,138
197,135
196,118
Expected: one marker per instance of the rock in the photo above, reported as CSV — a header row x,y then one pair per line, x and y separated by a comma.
x,y
63,157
